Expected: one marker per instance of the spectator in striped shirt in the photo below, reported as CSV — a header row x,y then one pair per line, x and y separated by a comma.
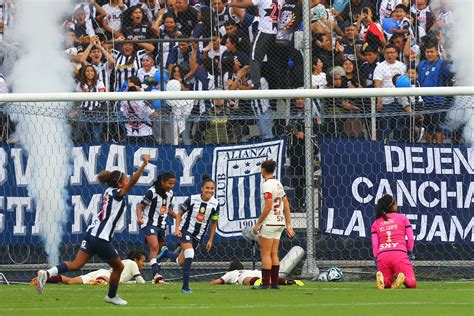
x,y
90,130
127,62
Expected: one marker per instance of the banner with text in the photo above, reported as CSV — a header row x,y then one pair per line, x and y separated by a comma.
x,y
235,168
433,186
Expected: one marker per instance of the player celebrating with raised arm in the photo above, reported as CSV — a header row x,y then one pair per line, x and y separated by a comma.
x,y
192,221
274,218
392,245
98,237
152,213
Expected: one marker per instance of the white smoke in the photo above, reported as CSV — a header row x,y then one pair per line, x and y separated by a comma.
x,y
461,50
44,68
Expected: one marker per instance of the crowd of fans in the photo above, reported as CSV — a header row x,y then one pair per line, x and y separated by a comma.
x,y
250,44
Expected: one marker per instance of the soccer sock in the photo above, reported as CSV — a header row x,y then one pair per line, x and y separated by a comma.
x,y
172,255
274,275
186,272
155,268
266,275
59,269
54,279
112,290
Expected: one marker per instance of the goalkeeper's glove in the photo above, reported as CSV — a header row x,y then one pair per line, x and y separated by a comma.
x,y
411,256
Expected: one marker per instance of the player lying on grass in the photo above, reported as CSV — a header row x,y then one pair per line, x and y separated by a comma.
x,y
132,265
238,275
392,245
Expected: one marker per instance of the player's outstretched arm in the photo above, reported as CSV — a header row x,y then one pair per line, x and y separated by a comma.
x,y
134,178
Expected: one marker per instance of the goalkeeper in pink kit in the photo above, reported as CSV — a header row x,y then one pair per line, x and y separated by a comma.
x,y
392,245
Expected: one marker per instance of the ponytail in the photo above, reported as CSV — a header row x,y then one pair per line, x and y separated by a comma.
x,y
383,207
112,179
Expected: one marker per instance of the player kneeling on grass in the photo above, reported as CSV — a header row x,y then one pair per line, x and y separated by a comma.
x,y
98,237
238,275
152,215
192,221
392,245
132,265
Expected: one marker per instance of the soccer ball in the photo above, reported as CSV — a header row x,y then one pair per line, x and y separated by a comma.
x,y
335,275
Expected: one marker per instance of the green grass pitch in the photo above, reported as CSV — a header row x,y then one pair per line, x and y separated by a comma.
x,y
347,298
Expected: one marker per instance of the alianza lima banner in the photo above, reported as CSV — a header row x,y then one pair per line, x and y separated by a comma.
x,y
236,170
433,186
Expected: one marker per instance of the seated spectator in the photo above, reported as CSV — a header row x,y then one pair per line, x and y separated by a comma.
x,y
112,21
232,29
82,30
139,115
386,7
352,78
371,56
401,15
351,47
93,13
222,12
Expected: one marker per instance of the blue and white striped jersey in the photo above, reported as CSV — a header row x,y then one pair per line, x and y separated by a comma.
x,y
156,208
197,215
103,223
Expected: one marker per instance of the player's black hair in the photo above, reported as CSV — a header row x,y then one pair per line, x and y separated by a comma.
x,y
135,255
383,207
112,179
205,179
269,166
236,265
165,176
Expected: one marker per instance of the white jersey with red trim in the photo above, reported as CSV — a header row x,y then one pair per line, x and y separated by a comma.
x,y
273,189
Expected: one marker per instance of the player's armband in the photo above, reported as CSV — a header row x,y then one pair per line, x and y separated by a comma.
x,y
215,217
267,196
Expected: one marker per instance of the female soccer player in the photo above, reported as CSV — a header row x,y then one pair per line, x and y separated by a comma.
x,y
192,221
274,218
392,245
97,239
152,213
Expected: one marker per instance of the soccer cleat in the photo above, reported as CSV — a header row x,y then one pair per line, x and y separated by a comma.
x,y
380,282
41,281
34,281
299,282
399,281
163,252
261,287
186,291
158,279
258,282
115,300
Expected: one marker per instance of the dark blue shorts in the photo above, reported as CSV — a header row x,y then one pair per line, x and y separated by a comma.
x,y
188,238
151,230
96,246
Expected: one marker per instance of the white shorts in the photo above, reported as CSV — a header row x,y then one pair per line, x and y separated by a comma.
x,y
94,275
271,232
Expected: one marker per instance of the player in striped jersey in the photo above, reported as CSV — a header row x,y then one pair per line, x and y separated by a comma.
x,y
275,215
152,214
98,237
192,222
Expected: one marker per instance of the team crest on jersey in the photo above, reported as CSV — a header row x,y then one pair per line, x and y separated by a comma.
x,y
236,170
